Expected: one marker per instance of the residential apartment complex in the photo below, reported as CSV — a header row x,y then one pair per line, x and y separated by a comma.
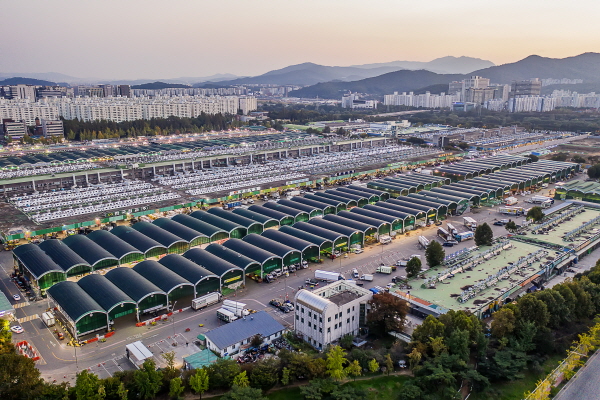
x,y
119,109
326,314
426,100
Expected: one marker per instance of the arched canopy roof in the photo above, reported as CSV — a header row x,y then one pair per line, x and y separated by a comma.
x,y
374,222
269,245
337,194
330,199
235,218
303,235
318,231
215,264
137,239
160,275
381,207
87,249
62,254
404,202
216,221
179,230
199,226
313,203
251,251
74,301
410,211
349,190
111,243
294,212
269,212
133,284
232,256
104,292
312,301
350,223
254,216
380,193
344,230
420,199
37,262
456,193
158,234
186,268
300,206
289,240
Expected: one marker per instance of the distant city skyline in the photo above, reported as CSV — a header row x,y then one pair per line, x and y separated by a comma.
x,y
150,39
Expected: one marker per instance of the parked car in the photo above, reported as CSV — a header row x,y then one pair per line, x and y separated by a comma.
x,y
447,244
17,329
498,223
311,282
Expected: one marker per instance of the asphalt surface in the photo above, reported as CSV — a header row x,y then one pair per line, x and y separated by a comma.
x,y
584,385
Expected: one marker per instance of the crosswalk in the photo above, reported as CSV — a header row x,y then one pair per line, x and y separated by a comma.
x,y
28,318
21,305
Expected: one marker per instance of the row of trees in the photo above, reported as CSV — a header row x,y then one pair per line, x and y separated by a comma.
x,y
457,347
80,130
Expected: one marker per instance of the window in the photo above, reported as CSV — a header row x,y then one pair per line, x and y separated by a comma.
x,y
309,314
352,308
329,319
309,325
302,310
297,307
335,326
320,319
348,312
328,330
297,318
321,330
302,320
341,314
336,316
353,318
348,321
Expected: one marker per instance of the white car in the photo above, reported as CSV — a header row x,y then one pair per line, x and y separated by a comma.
x,y
17,329
16,297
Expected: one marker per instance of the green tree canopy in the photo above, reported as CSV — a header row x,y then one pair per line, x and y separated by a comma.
x,y
484,235
199,381
388,313
336,358
434,254
147,380
535,213
413,267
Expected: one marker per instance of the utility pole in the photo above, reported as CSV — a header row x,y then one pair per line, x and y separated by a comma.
x,y
172,310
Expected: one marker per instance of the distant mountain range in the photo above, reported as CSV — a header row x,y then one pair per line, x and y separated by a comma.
x,y
585,66
160,85
26,81
310,73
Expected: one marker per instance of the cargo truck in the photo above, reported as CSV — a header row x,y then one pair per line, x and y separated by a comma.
x,y
367,277
509,201
239,309
423,241
385,239
461,236
541,199
206,300
444,234
384,270
328,276
470,223
452,229
226,315
48,319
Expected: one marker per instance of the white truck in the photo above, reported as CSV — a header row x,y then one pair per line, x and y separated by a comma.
x,y
470,223
453,231
355,273
385,239
328,276
541,199
48,319
423,241
384,270
225,315
239,309
206,300
511,201
367,277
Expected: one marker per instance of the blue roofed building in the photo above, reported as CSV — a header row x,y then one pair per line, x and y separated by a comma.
x,y
228,340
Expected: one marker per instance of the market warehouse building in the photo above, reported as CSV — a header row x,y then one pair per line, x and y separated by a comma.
x,y
229,274
175,286
203,280
229,339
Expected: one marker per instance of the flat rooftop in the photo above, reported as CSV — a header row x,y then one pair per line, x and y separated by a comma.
x,y
555,235
343,297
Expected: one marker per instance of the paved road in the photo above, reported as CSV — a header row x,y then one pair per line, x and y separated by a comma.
x,y
58,359
585,384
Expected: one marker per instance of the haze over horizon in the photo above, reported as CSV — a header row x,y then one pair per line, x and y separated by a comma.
x,y
143,39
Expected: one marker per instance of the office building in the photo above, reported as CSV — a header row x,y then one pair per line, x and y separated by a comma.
x,y
530,87
13,129
353,101
326,314
479,95
22,92
124,90
52,128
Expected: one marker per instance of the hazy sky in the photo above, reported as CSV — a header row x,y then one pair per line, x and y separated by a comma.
x,y
131,39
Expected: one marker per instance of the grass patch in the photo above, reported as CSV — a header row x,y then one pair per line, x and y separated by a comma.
x,y
515,390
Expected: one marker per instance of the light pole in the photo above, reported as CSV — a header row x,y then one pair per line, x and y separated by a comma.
x,y
172,310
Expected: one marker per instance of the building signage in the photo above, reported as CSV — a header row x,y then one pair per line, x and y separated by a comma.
x,y
124,212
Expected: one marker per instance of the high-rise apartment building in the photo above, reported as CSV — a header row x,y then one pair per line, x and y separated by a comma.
x,y
124,90
22,92
529,87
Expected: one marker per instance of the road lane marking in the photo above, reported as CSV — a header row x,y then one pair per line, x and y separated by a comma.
x,y
28,318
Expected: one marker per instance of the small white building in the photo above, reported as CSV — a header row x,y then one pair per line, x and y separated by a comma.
x,y
326,314
229,339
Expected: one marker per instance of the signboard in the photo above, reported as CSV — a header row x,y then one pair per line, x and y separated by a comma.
x,y
124,212
235,278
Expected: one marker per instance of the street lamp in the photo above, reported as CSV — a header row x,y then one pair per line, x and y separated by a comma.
x,y
172,309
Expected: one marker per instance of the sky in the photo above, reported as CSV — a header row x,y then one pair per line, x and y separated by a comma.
x,y
143,39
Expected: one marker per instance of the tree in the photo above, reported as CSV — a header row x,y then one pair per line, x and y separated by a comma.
x,y
533,310
336,358
373,365
463,145
388,313
241,380
341,132
389,364
560,157
147,380
346,341
256,341
414,358
578,159
484,235
533,158
176,388
594,171
511,226
503,323
222,372
535,213
285,376
264,374
434,254
431,327
327,129
243,393
353,369
88,386
413,267
437,345
199,381
19,378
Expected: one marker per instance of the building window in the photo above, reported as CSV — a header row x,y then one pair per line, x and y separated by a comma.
x,y
348,312
320,319
352,308
297,318
341,314
353,318
309,325
348,321
302,310
329,319
302,320
309,314
336,316
335,326
328,330
321,330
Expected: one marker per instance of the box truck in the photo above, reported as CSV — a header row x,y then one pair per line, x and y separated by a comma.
x,y
385,239
328,276
384,270
206,300
452,229
367,277
48,319
510,201
226,315
470,223
423,241
239,309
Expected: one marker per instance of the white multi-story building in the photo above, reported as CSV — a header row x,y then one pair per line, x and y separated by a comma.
x,y
119,109
326,314
425,100
52,128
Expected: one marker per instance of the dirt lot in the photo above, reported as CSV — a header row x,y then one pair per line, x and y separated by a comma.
x,y
587,147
